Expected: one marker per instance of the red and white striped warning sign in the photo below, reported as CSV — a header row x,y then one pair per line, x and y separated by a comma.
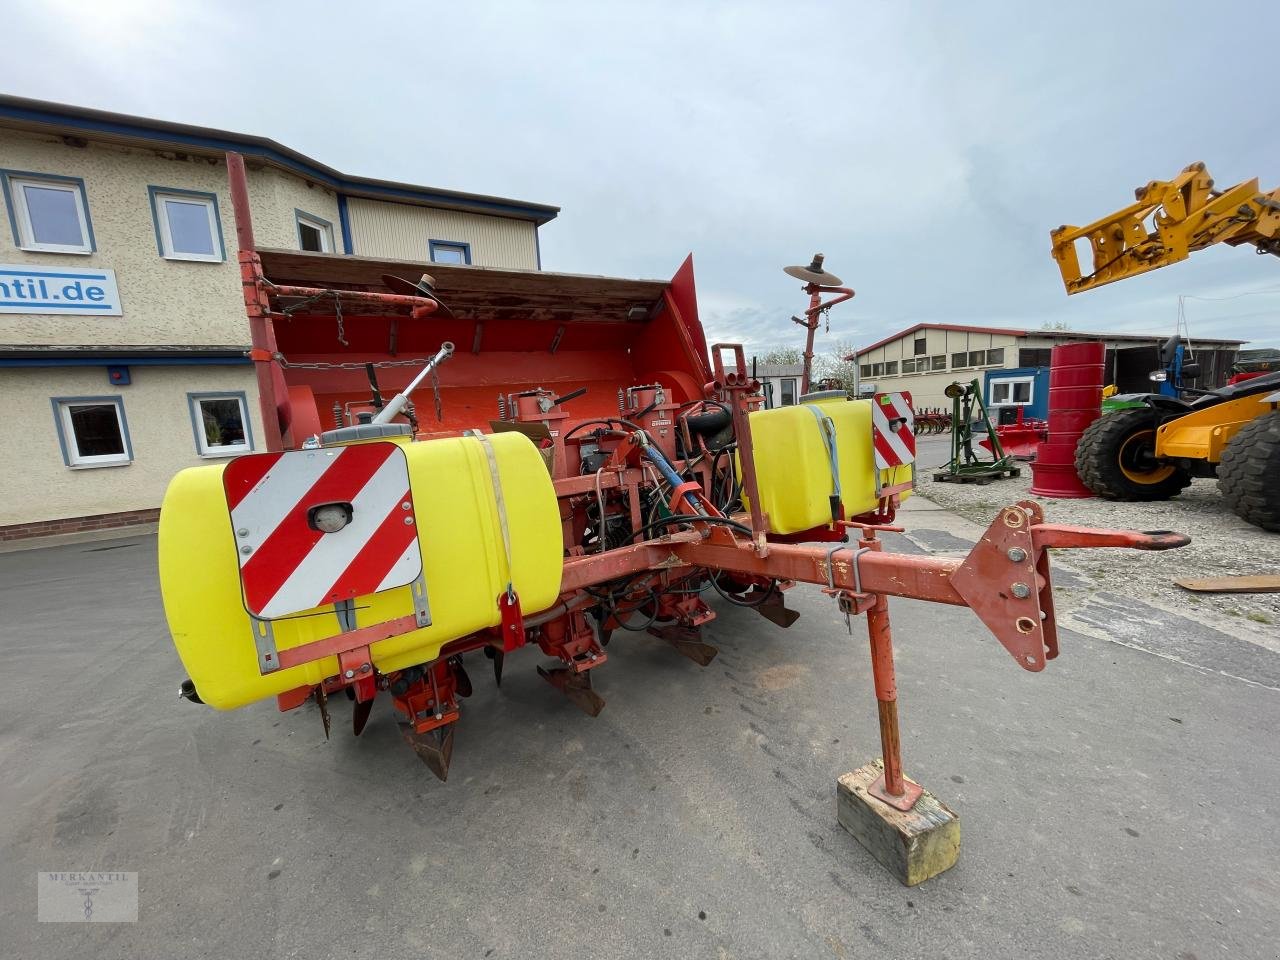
x,y
893,425
288,562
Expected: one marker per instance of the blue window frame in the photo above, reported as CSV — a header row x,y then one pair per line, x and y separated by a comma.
x,y
188,225
450,251
92,431
48,213
220,423
315,234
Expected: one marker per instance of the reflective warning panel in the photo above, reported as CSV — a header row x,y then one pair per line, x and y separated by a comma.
x,y
316,526
893,425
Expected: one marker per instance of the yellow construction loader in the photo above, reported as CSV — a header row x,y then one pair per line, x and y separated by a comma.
x,y
1152,451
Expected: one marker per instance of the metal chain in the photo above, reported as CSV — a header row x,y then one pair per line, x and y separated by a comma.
x,y
337,309
289,311
281,359
435,389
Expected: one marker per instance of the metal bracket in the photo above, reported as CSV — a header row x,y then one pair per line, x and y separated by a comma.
x,y
264,639
421,608
346,611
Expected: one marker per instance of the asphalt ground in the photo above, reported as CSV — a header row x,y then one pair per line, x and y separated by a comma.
x,y
1121,804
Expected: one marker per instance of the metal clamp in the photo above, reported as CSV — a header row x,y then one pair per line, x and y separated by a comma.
x,y
857,574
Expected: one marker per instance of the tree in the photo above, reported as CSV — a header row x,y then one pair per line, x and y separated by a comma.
x,y
784,355
833,366
1055,325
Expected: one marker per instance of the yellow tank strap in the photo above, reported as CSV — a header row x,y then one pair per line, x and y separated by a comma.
x,y
501,502
827,428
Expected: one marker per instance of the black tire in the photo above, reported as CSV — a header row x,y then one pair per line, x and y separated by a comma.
x,y
1249,474
1115,458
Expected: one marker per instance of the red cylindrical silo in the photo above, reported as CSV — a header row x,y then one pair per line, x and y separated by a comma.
x,y
1076,372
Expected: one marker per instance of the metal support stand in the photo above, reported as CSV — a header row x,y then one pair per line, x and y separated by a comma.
x,y
891,787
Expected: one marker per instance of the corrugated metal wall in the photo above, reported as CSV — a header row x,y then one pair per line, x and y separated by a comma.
x,y
402,231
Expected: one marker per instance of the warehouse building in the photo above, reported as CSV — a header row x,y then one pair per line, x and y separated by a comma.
x,y
925,358
123,335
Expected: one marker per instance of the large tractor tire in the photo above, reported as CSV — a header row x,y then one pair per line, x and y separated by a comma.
x,y
1115,458
1249,474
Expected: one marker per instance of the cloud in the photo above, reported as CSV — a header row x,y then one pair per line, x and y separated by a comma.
x,y
926,149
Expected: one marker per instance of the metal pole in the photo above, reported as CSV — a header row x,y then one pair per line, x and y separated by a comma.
x,y
886,693
261,333
811,326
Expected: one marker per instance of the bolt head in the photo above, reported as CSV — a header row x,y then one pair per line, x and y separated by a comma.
x,y
1017,554
349,674
246,549
242,532
408,521
1021,591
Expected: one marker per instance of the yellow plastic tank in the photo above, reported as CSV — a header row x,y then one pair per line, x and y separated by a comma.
x,y
464,566
793,465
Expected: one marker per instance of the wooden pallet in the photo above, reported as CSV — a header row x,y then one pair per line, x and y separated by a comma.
x,y
978,476
1258,583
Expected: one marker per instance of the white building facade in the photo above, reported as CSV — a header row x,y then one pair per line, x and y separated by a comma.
x,y
123,334
924,359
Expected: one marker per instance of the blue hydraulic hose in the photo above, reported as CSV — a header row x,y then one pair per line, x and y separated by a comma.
x,y
669,474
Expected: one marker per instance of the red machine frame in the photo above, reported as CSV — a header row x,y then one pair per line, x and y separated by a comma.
x,y
1005,579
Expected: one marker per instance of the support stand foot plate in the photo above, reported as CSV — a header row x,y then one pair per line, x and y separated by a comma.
x,y
913,844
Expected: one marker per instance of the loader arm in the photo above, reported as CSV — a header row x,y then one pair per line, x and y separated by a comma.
x,y
1167,222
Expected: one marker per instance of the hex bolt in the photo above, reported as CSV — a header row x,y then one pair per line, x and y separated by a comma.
x,y
1016,554
1021,590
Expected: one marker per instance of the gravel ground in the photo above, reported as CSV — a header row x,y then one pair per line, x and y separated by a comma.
x,y
1221,545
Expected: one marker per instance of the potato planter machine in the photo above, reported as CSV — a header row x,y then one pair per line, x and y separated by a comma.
x,y
377,542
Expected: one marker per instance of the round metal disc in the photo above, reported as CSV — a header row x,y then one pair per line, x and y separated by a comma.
x,y
407,288
423,288
821,277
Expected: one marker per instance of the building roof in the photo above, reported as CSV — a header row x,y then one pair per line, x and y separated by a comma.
x,y
67,120
1052,334
779,369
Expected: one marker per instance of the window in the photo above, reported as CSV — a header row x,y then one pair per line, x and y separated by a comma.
x,y
891,368
187,225
977,358
48,213
448,251
1012,392
1034,357
920,348
908,366
864,370
996,356
940,362
958,360
221,423
877,369
789,392
314,235
92,431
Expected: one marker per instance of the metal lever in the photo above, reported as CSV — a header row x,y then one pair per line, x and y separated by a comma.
x,y
1066,535
398,402
569,396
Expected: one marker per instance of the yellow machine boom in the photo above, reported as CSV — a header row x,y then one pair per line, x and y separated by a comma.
x,y
1169,220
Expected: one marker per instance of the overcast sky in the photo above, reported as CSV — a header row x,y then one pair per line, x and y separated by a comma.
x,y
925,148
